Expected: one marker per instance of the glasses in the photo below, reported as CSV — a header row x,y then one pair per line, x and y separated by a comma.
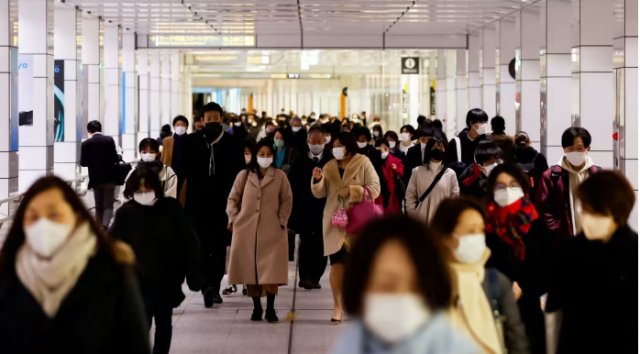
x,y
500,186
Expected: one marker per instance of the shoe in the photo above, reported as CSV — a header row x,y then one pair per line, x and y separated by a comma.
x,y
271,316
217,299
305,284
338,320
244,290
231,289
256,315
317,286
208,297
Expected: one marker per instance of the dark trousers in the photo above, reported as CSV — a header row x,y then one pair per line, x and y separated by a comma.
x,y
533,319
161,311
312,260
292,246
213,254
104,195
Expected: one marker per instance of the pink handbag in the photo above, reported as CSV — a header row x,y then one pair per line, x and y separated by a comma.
x,y
361,214
340,218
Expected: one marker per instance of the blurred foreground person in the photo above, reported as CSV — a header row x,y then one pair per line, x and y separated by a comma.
x,y
595,274
258,208
397,284
166,248
65,287
485,307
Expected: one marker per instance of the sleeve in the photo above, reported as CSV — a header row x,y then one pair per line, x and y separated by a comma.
x,y
407,166
121,197
171,183
514,334
455,187
132,330
235,197
286,202
371,181
84,159
293,178
543,201
412,197
399,168
165,153
319,189
192,254
113,155
117,230
452,151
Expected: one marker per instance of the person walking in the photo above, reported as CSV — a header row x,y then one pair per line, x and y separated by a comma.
x,y
392,171
463,146
150,158
166,248
343,182
473,181
430,183
99,155
172,150
65,286
258,208
306,219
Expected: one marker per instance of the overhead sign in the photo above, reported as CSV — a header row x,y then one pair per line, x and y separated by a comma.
x,y
58,101
201,41
411,65
293,76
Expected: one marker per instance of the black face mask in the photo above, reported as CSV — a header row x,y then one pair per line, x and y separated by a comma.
x,y
437,154
212,130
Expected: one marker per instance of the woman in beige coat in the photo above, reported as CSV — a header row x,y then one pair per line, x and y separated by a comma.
x,y
258,208
342,182
423,176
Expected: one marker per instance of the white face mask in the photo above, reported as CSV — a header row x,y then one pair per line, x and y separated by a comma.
x,y
362,145
394,317
392,144
247,159
45,237
181,130
405,137
237,124
327,139
265,162
145,198
296,129
596,227
507,196
384,154
482,128
576,158
338,153
148,157
488,169
471,248
316,149
376,133
423,146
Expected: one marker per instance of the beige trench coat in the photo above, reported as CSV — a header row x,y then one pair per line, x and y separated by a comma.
x,y
420,181
358,174
259,211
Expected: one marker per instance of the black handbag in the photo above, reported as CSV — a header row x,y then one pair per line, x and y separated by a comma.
x,y
122,170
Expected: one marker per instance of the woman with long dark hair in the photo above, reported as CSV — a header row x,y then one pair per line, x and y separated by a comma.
x,y
64,282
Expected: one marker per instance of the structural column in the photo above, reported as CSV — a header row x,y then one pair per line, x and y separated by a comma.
x,y
450,69
91,70
592,75
462,93
441,86
555,76
130,103
154,93
433,75
166,88
112,120
143,93
176,100
473,65
36,136
270,110
67,142
8,103
488,69
528,75
506,87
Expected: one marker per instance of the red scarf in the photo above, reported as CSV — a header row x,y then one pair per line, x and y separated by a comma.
x,y
477,173
512,222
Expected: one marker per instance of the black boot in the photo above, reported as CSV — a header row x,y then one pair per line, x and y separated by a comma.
x,y
270,315
257,310
208,297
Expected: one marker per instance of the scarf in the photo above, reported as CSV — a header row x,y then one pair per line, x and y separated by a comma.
x,y
51,280
472,312
511,223
477,173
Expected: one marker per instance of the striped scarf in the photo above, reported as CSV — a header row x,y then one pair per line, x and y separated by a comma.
x,y
511,223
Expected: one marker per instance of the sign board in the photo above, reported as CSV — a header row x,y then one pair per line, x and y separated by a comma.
x,y
58,100
410,65
293,76
179,41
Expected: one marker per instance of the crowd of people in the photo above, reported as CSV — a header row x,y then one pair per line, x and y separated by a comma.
x,y
468,245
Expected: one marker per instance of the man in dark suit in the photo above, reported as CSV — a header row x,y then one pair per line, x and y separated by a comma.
x,y
211,162
415,154
100,156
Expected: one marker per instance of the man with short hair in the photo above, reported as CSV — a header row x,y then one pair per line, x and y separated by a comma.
x,y
172,147
556,195
415,154
211,164
308,210
98,154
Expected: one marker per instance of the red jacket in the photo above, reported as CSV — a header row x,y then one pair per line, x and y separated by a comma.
x,y
395,203
553,202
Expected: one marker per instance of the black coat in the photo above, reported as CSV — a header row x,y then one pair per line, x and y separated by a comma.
x,y
165,244
308,211
477,189
299,141
468,147
412,160
99,155
596,287
103,314
206,196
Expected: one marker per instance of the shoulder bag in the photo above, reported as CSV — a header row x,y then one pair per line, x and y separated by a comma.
x,y
433,184
362,214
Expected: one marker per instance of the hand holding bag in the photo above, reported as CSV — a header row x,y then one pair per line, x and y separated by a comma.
x,y
340,217
361,214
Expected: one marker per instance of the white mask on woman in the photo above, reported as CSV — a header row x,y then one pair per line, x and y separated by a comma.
x,y
45,237
247,159
295,129
362,145
507,196
145,198
237,124
405,137
338,153
596,227
394,317
148,157
376,133
384,155
470,248
392,144
181,130
265,162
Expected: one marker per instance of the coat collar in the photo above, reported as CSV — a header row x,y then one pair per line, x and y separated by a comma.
x,y
333,174
268,177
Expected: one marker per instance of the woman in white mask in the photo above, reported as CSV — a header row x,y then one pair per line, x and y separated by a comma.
x,y
392,172
62,278
398,287
599,265
376,133
521,245
406,139
394,148
342,181
473,181
149,157
485,308
166,247
258,208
